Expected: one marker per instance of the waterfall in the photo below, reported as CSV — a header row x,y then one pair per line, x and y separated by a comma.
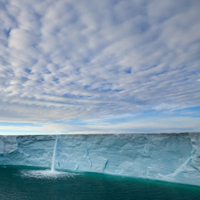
x,y
54,155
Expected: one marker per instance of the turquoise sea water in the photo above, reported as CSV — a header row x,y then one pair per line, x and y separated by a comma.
x,y
32,184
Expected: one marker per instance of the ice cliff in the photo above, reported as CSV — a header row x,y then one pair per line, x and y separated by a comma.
x,y
167,157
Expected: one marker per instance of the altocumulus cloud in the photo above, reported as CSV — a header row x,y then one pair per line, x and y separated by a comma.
x,y
84,66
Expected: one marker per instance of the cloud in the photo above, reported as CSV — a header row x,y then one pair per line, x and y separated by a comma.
x,y
147,125
66,59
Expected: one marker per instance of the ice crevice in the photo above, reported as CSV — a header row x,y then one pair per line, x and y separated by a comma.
x,y
105,165
167,157
89,159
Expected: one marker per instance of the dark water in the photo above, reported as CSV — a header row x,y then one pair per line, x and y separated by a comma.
x,y
18,184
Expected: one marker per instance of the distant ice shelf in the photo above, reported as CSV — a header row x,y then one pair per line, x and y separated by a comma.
x,y
166,157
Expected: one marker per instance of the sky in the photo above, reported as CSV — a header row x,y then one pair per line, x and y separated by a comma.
x,y
109,66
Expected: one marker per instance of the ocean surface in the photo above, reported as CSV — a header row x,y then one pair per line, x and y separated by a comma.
x,y
34,184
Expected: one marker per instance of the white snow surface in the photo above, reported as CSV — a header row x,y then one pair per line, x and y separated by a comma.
x,y
166,157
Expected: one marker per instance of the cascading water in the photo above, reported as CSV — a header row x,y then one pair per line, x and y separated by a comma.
x,y
53,173
54,155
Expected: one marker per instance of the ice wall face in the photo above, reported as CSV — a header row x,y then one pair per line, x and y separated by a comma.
x,y
26,150
168,157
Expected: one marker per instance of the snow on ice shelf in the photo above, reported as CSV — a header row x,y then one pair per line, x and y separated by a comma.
x,y
167,157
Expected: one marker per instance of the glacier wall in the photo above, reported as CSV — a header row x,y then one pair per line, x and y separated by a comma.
x,y
167,157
